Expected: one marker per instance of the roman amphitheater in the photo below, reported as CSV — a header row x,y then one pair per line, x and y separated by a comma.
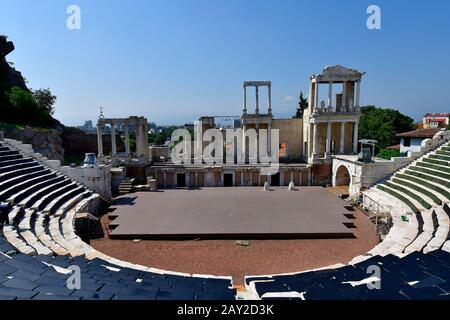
x,y
221,229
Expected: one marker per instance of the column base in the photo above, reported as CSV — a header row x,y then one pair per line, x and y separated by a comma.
x,y
327,155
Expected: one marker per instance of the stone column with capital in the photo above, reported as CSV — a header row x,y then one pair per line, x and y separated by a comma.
x,y
355,137
314,142
330,96
310,97
316,98
127,140
257,143
342,144
344,96
257,99
138,140
145,150
244,108
113,140
243,142
100,140
328,141
358,93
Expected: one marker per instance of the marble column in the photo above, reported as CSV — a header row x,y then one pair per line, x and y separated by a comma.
x,y
316,99
127,140
113,140
344,96
328,141
257,100
358,92
243,142
141,145
244,109
341,146
355,137
310,97
314,141
257,142
138,140
99,141
269,140
330,96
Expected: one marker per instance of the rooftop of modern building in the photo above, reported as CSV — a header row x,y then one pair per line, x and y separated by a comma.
x,y
420,133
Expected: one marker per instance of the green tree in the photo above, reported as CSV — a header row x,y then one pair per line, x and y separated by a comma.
x,y
45,100
383,125
25,110
302,105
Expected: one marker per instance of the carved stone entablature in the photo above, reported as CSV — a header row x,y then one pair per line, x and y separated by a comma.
x,y
257,83
256,119
337,73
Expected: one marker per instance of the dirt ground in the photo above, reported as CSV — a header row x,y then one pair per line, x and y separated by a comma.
x,y
225,257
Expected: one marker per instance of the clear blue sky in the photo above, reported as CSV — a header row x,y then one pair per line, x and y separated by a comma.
x,y
173,61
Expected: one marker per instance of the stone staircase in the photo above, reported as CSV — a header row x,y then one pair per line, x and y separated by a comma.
x,y
126,186
418,198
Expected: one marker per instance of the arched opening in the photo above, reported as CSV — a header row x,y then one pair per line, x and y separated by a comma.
x,y
342,177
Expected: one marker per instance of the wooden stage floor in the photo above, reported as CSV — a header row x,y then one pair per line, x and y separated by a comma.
x,y
231,213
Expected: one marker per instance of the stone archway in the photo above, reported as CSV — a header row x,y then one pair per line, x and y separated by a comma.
x,y
342,177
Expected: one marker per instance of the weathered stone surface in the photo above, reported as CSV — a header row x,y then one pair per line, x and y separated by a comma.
x,y
78,142
46,142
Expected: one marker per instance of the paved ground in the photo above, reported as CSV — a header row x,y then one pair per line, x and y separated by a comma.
x,y
231,213
224,257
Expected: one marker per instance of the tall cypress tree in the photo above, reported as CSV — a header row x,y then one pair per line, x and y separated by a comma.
x,y
302,105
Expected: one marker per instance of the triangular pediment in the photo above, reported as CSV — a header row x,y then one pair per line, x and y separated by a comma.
x,y
339,70
338,73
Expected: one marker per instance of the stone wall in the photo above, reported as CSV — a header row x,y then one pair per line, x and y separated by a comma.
x,y
291,133
49,143
77,142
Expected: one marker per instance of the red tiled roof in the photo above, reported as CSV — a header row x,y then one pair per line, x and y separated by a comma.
x,y
420,133
437,115
394,147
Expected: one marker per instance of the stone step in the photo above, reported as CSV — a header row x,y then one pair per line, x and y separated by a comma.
x,y
15,167
33,198
41,233
37,186
13,237
12,174
16,161
25,177
43,202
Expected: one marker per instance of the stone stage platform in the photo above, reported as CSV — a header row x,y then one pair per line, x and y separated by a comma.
x,y
231,213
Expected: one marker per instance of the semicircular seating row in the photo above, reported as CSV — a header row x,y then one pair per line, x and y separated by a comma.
x,y
39,247
413,259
